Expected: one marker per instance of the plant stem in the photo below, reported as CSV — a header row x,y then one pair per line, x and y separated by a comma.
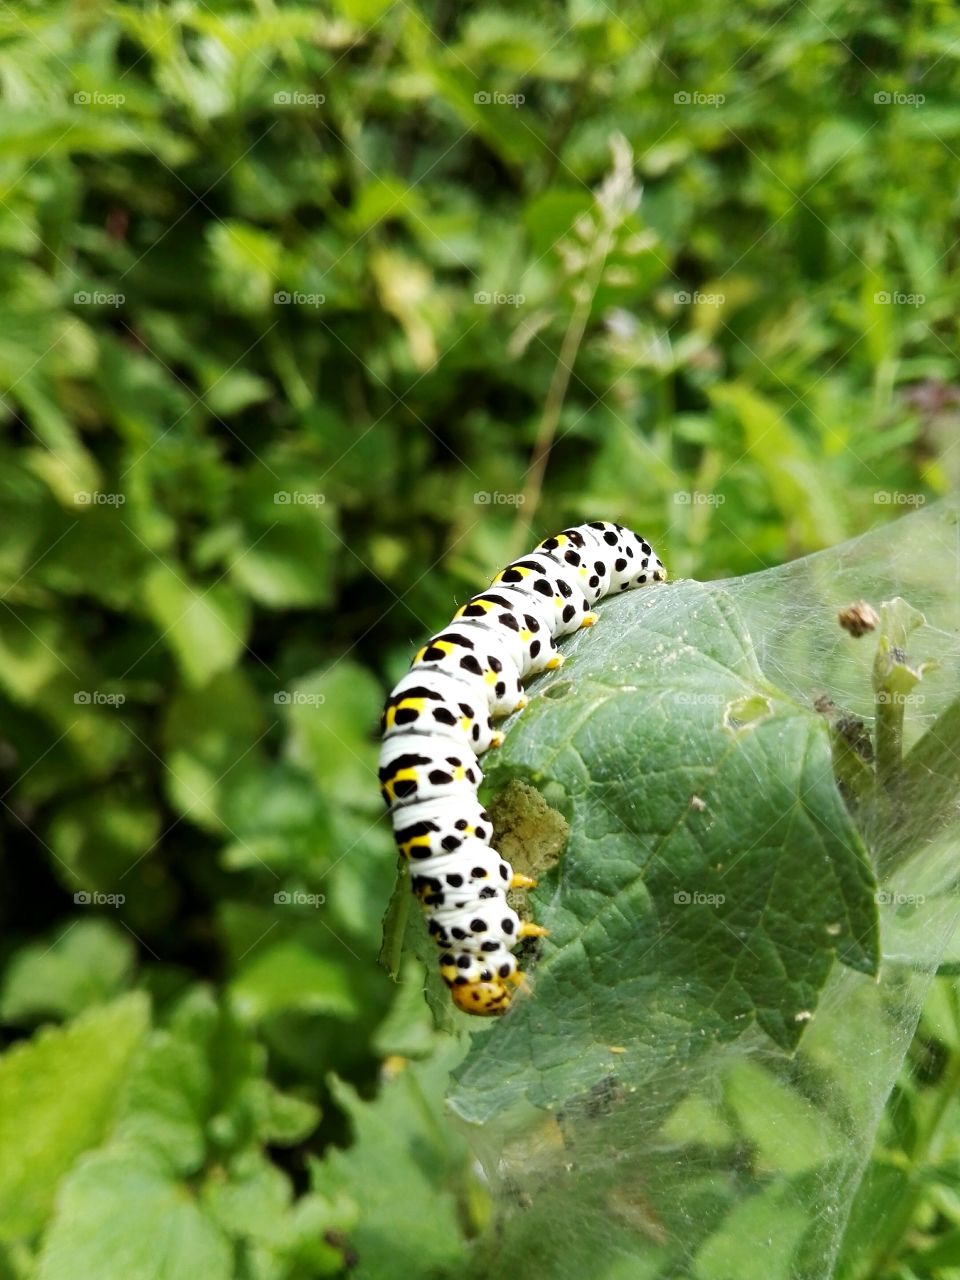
x,y
557,391
889,739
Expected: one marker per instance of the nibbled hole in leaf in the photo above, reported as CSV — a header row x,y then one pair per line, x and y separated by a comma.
x,y
747,713
560,690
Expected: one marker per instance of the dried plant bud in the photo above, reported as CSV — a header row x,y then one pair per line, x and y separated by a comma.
x,y
858,618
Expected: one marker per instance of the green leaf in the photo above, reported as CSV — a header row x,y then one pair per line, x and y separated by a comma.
x,y
788,1131
772,1217
288,976
406,1167
792,472
255,1202
101,835
874,1218
284,552
86,962
246,261
278,819
58,1095
333,714
282,1118
944,1252
713,873
120,1217
408,1029
234,390
287,565
204,627
363,11
211,736
197,1089
395,922
551,216
166,1102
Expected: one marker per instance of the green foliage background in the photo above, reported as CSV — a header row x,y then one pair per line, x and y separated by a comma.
x,y
262,431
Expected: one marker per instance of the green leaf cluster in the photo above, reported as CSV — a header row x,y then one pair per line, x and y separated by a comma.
x,y
297,300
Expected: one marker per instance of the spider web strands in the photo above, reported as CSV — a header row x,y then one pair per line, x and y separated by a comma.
x,y
728,992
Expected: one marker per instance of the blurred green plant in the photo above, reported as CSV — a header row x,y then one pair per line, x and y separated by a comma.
x,y
309,314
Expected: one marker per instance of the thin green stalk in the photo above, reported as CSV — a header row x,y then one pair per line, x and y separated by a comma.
x,y
557,391
889,739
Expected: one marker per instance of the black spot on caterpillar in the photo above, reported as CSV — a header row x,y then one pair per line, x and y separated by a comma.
x,y
439,718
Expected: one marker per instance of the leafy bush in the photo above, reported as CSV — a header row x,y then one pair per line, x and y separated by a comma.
x,y
310,317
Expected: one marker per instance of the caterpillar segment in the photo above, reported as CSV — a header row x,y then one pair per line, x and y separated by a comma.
x,y
518,599
459,877
483,655
433,828
557,585
510,615
414,767
439,718
428,701
635,563
510,631
593,569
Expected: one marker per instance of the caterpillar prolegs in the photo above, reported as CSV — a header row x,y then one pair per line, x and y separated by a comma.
x,y
439,719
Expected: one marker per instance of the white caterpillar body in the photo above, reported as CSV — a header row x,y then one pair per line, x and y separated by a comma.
x,y
465,651
432,828
554,583
428,701
439,718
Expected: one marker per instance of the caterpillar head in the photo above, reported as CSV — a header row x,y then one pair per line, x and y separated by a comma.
x,y
488,999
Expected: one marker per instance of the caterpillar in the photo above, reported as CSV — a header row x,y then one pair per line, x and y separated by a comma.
x,y
439,719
